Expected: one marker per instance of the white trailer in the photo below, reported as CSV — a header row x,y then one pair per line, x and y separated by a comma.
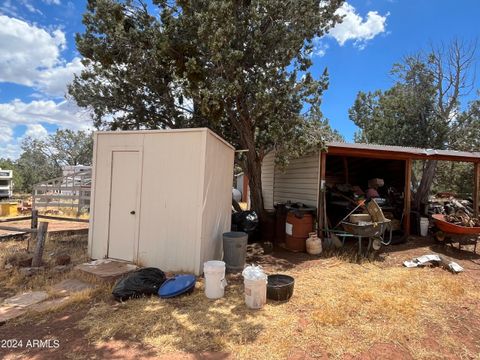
x,y
6,184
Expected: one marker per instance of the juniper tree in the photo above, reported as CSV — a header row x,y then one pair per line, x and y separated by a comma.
x,y
238,67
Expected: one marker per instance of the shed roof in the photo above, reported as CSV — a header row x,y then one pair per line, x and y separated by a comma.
x,y
399,152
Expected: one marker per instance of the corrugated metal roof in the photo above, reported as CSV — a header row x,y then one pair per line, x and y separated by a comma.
x,y
415,152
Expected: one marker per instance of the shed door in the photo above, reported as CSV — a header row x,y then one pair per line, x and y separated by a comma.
x,y
124,195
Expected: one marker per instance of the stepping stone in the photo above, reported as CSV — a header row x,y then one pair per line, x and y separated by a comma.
x,y
70,286
107,269
49,304
26,299
8,312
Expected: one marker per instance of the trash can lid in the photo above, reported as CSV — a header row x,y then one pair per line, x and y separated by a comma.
x,y
234,234
177,285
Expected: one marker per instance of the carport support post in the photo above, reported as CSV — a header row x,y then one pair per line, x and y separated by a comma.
x,y
321,195
476,187
407,197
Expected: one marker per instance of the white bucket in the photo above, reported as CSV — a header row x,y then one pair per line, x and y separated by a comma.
x,y
423,226
214,279
255,293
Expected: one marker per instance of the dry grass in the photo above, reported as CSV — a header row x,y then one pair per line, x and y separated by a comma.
x,y
65,211
13,281
340,307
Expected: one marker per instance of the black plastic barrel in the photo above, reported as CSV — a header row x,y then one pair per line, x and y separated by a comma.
x,y
235,250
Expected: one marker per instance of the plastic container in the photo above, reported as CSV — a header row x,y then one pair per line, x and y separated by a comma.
x,y
8,209
235,250
214,279
423,226
255,283
178,285
280,287
314,244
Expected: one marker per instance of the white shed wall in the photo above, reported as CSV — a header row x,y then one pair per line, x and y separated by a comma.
x,y
215,205
268,171
299,182
186,178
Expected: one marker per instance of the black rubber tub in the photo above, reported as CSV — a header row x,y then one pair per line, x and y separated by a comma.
x,y
280,287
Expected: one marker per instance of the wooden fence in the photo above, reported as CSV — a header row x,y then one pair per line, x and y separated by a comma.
x,y
71,191
38,230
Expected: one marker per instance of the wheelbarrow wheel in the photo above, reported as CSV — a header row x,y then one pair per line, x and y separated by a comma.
x,y
440,236
376,244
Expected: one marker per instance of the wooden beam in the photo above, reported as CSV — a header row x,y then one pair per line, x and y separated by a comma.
x,y
395,155
63,218
345,170
407,197
18,218
17,229
321,194
476,187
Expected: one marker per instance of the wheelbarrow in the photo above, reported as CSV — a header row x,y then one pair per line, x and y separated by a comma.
x,y
450,233
374,231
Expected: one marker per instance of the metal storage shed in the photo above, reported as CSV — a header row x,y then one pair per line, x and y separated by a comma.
x,y
304,177
161,198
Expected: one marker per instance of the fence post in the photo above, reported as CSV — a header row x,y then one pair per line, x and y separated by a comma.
x,y
33,225
41,236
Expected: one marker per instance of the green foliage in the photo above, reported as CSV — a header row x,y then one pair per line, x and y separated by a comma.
x,y
67,147
43,159
423,109
34,165
456,177
403,115
237,67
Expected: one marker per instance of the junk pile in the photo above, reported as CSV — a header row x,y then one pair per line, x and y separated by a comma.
x,y
461,218
344,204
433,260
457,211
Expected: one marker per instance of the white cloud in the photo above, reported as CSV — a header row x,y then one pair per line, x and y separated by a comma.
x,y
319,47
62,114
8,8
356,28
6,134
53,81
31,56
52,2
10,151
36,131
30,7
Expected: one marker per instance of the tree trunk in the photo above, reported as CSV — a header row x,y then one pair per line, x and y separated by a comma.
x,y
421,196
254,173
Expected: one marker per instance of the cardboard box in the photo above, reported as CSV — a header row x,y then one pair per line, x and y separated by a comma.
x,y
376,182
356,218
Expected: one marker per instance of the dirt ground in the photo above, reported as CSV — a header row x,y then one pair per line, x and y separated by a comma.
x,y
445,323
53,226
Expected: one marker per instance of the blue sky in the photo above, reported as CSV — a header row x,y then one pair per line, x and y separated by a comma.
x,y
38,57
